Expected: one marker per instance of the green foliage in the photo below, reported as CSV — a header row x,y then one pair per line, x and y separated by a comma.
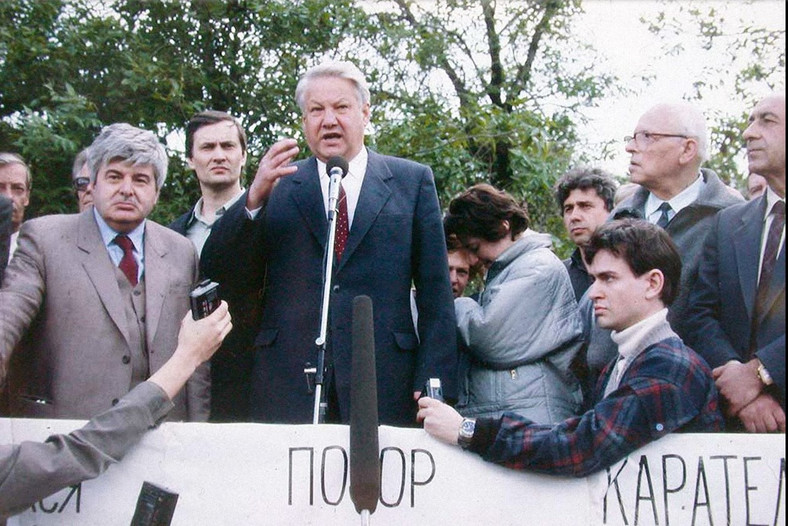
x,y
69,67
481,91
463,86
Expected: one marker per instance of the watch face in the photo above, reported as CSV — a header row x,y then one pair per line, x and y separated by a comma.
x,y
468,427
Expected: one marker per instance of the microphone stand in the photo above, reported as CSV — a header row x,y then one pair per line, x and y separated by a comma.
x,y
319,411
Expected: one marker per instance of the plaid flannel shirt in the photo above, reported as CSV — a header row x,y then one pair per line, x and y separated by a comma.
x,y
667,388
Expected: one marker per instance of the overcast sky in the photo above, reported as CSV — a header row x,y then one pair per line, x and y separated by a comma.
x,y
630,51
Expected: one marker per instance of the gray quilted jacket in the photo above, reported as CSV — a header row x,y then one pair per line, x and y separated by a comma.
x,y
521,337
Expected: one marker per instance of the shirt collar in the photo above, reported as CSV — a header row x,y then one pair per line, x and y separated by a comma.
x,y
197,210
356,167
771,198
108,233
685,198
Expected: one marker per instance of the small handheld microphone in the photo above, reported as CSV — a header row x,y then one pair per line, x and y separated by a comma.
x,y
364,448
336,168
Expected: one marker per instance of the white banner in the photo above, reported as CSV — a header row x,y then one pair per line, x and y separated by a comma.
x,y
273,474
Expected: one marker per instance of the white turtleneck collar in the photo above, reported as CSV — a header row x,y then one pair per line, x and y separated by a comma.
x,y
634,340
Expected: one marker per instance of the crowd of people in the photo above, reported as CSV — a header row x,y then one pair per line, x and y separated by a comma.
x,y
668,316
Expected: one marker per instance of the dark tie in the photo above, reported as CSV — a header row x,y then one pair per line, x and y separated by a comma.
x,y
767,266
664,219
340,239
127,264
772,249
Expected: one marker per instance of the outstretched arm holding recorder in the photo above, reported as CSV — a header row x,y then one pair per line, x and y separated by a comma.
x,y
31,470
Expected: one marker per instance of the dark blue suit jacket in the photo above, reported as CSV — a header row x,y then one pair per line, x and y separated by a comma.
x,y
396,241
231,366
723,298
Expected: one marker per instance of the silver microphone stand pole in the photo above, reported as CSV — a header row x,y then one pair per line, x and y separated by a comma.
x,y
334,181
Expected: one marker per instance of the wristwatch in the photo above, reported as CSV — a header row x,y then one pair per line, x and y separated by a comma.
x,y
763,374
467,427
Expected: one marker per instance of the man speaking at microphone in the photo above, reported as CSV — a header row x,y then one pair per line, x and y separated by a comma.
x,y
393,239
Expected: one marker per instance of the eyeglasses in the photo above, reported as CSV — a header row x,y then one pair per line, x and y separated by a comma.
x,y
643,138
81,184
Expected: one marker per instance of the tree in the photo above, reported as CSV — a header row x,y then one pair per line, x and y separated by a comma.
x,y
69,67
480,91
744,60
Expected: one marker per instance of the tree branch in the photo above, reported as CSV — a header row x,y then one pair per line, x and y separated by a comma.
x,y
523,76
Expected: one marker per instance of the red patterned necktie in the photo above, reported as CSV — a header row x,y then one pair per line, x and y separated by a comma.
x,y
340,239
128,264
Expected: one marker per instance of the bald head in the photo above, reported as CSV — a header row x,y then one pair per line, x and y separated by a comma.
x,y
669,144
684,118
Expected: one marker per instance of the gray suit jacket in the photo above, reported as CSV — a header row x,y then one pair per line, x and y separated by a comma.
x,y
61,300
30,471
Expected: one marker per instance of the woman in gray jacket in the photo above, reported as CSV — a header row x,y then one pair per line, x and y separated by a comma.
x,y
521,336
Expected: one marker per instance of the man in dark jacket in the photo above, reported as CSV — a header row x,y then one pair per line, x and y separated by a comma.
x,y
737,305
6,208
585,198
667,148
393,238
216,151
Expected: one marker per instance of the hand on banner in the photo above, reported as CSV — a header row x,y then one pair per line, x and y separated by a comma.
x,y
763,415
440,420
274,165
738,383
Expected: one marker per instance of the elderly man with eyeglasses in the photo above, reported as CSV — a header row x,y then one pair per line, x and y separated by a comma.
x,y
667,148
80,179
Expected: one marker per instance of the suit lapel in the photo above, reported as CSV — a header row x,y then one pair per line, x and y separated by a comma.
x,y
374,194
309,199
746,247
157,278
776,285
100,270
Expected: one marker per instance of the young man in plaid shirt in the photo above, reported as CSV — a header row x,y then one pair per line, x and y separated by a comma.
x,y
655,386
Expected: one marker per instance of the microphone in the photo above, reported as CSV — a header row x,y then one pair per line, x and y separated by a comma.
x,y
336,168
364,449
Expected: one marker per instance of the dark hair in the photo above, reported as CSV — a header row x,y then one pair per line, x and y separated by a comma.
x,y
644,247
584,178
206,118
480,211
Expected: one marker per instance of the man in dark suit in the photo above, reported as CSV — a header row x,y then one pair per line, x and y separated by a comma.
x,y
737,315
395,239
216,151
96,298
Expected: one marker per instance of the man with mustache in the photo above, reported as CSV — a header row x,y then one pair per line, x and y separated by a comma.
x,y
96,298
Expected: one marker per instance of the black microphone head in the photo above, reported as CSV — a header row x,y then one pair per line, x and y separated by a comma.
x,y
337,162
364,448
